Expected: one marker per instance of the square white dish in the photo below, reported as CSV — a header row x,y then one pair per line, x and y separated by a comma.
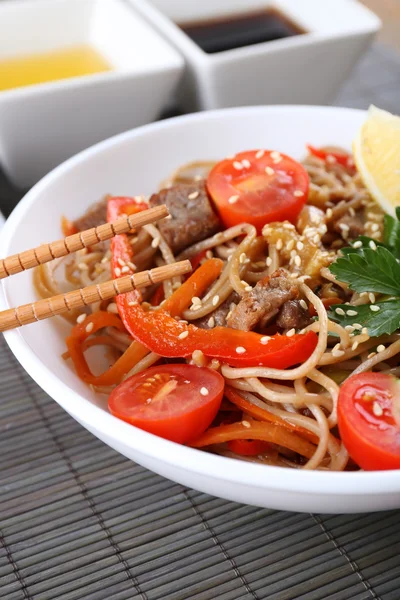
x,y
302,69
42,125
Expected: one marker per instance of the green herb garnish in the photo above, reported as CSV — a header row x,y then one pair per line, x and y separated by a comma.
x,y
371,266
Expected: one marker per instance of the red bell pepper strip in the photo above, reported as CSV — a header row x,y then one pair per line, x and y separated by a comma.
x,y
159,331
341,158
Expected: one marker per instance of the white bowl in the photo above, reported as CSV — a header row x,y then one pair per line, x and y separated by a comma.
x,y
42,125
301,69
134,163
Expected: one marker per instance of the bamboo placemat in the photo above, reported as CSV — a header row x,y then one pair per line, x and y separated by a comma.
x,y
80,522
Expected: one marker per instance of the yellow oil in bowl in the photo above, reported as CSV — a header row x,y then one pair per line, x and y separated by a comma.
x,y
51,66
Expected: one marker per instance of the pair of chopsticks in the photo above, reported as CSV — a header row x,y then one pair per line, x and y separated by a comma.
x,y
56,305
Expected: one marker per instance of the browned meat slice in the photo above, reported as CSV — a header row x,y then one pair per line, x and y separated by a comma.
x,y
219,314
263,302
350,226
193,218
94,216
292,314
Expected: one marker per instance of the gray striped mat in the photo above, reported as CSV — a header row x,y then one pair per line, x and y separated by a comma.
x,y
80,522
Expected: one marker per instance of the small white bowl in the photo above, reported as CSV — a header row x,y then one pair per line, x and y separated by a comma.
x,y
42,125
133,163
301,69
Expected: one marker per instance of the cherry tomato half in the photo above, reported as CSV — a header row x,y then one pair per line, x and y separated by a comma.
x,y
177,402
258,187
248,447
366,422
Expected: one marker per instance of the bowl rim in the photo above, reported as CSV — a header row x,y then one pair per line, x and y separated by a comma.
x,y
242,473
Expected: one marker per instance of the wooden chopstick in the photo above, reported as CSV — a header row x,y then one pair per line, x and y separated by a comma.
x,y
56,305
47,252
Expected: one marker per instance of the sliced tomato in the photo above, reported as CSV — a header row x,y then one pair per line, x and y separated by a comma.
x,y
258,187
366,422
248,447
177,402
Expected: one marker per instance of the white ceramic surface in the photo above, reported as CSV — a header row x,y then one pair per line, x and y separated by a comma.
x,y
42,125
297,70
134,163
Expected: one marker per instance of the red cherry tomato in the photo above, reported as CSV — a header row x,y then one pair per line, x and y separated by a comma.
x,y
258,187
366,422
248,447
176,402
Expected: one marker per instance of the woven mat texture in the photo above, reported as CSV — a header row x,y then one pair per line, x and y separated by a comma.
x,y
80,522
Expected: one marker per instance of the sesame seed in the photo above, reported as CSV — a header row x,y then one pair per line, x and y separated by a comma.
x,y
377,409
233,199
276,156
209,254
380,348
349,328
371,297
337,353
133,303
193,195
299,245
297,261
215,300
374,308
330,159
183,335
117,271
357,326
112,308
372,245
204,391
316,239
83,266
89,327
339,311
364,330
131,265
248,288
293,275
195,307
197,178
81,318
329,213
105,259
357,244
291,332
237,165
290,245
288,226
196,300
302,331
125,269
265,339
351,313
279,244
354,346
211,322
371,355
298,193
156,242
246,424
268,261
242,258
344,227
121,262
303,304
240,350
269,170
375,227
246,163
260,153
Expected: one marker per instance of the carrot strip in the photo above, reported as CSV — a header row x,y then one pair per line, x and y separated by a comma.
x,y
268,432
264,415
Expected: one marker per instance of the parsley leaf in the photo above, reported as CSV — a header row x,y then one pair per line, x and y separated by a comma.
x,y
391,233
369,270
386,320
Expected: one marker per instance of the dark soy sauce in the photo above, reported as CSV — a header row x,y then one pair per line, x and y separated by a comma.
x,y
237,31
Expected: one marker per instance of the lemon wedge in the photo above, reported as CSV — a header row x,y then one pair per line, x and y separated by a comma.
x,y
377,157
